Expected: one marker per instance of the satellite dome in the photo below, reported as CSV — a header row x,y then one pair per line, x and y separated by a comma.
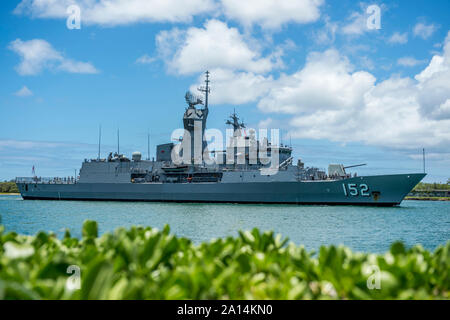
x,y
136,156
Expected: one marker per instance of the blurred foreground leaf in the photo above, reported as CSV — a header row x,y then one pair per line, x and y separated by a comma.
x,y
145,263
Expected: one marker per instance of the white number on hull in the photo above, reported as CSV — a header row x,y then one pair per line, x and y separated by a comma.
x,y
364,190
353,189
345,190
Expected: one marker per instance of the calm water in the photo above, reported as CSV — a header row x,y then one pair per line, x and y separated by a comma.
x,y
360,228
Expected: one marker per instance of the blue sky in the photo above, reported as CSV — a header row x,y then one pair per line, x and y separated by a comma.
x,y
344,93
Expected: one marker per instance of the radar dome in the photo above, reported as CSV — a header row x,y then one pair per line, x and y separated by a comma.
x,y
136,156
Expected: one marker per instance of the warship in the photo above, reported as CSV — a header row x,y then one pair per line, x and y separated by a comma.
x,y
249,170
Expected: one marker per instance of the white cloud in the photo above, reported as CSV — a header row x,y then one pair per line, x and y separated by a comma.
x,y
327,34
272,14
26,145
409,62
424,31
361,22
269,14
24,92
214,46
266,123
145,59
38,54
357,26
434,85
327,99
235,87
398,38
72,66
443,111
118,12
326,82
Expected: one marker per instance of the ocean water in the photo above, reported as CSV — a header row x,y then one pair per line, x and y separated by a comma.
x,y
368,229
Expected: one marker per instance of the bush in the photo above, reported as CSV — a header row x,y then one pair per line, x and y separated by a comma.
x,y
144,263
8,187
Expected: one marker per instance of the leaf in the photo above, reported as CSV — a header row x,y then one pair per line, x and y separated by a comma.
x,y
90,229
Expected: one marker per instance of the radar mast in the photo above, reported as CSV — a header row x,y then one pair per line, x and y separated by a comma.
x,y
205,89
234,121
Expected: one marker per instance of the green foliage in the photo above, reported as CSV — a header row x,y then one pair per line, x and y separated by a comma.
x,y
8,187
421,186
144,263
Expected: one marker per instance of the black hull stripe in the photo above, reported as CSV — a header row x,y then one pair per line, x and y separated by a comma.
x,y
372,204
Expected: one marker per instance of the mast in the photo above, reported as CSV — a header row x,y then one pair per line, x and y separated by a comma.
x,y
99,140
148,146
118,142
423,155
206,89
234,121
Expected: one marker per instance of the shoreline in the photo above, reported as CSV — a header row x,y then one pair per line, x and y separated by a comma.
x,y
428,198
406,198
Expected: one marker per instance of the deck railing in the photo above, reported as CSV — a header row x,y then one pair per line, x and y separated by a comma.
x,y
47,180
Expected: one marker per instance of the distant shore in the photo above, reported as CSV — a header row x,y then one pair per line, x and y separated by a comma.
x,y
428,198
10,193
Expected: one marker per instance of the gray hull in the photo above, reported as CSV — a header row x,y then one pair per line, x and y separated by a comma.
x,y
384,190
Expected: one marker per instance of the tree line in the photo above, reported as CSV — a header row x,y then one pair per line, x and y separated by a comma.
x,y
421,186
8,187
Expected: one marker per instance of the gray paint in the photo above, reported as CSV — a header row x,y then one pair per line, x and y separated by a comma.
x,y
119,178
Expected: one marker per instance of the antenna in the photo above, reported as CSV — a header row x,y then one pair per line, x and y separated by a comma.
x,y
355,166
148,145
118,142
99,140
423,154
206,90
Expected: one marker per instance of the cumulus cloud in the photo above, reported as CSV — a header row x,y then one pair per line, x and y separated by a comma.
x,y
423,30
434,85
409,62
214,46
326,82
327,34
357,25
118,12
72,66
24,92
272,14
360,21
398,38
37,55
328,99
145,59
236,87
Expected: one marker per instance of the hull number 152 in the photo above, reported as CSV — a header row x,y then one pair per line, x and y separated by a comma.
x,y
352,189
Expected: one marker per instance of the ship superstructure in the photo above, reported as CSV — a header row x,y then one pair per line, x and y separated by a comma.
x,y
249,170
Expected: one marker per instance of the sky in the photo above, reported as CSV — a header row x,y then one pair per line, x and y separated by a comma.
x,y
345,82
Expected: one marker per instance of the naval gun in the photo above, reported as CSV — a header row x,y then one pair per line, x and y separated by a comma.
x,y
338,170
355,166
